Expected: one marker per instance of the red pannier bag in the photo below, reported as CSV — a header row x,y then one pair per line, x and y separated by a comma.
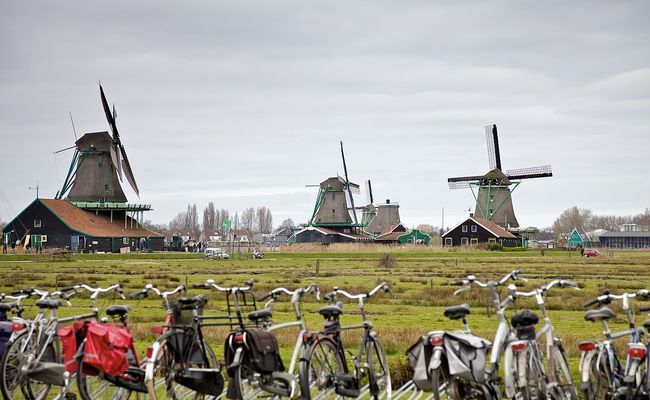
x,y
71,337
106,348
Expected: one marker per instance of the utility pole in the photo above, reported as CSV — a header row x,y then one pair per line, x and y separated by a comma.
x,y
35,188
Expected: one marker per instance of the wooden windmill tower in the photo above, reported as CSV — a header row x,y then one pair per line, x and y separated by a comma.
x,y
492,191
335,202
98,166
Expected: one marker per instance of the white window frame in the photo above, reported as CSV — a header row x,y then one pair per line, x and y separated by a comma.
x,y
37,223
464,228
473,241
449,241
474,228
492,240
464,241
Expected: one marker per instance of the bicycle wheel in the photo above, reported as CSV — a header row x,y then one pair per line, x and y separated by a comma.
x,y
598,386
378,374
92,386
562,373
13,370
317,368
161,382
243,381
534,387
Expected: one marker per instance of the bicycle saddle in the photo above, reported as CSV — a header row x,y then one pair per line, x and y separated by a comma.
x,y
117,310
49,304
524,318
199,298
260,314
4,307
596,315
457,312
332,310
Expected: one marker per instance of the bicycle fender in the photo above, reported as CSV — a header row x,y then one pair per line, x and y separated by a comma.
x,y
150,363
436,358
585,363
236,361
508,372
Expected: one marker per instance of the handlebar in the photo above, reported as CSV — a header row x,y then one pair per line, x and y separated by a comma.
x,y
606,298
151,288
331,296
210,284
298,292
96,291
515,275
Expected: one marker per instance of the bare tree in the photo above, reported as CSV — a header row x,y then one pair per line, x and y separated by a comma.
x,y
210,219
264,221
571,218
234,223
192,221
287,223
248,219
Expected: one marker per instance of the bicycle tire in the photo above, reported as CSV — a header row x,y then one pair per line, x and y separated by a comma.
x,y
94,387
378,370
242,373
562,373
535,388
167,388
598,385
320,362
21,387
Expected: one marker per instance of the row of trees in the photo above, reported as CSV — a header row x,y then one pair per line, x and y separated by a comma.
x,y
256,220
586,220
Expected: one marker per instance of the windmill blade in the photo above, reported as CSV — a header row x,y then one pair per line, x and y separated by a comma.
x,y
347,184
116,161
542,171
109,116
369,192
494,156
128,172
458,185
465,178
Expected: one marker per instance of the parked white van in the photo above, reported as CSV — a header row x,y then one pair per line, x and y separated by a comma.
x,y
212,253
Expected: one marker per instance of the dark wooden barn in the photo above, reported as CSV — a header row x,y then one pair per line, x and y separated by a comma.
x,y
475,230
316,234
57,223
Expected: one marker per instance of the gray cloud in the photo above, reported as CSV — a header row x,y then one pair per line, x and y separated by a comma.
x,y
244,102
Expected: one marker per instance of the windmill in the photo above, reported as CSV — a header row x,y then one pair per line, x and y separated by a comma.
x,y
98,165
494,198
335,201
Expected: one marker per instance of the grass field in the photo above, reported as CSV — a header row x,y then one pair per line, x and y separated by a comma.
x,y
418,281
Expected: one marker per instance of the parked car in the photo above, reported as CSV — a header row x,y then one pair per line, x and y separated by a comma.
x,y
212,253
591,253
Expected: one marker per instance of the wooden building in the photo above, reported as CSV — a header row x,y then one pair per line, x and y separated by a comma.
x,y
57,223
475,230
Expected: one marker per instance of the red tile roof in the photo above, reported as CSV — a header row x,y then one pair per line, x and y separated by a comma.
x,y
91,224
494,228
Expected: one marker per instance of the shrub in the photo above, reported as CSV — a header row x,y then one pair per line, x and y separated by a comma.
x,y
387,261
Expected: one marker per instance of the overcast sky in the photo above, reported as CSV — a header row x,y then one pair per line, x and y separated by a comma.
x,y
243,103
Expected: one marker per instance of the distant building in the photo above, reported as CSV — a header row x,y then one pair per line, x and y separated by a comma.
x,y
391,234
475,230
242,235
57,223
317,234
633,228
626,240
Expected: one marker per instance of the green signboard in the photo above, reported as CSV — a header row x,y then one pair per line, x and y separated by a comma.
x,y
225,223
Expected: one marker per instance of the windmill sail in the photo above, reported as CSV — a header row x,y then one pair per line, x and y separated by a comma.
x,y
118,153
494,155
347,184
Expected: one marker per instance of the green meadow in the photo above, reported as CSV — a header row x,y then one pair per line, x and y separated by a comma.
x,y
418,280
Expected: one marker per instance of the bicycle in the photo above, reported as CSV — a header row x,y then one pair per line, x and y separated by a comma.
x,y
183,353
601,374
276,382
131,379
324,370
33,361
526,376
6,326
441,359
